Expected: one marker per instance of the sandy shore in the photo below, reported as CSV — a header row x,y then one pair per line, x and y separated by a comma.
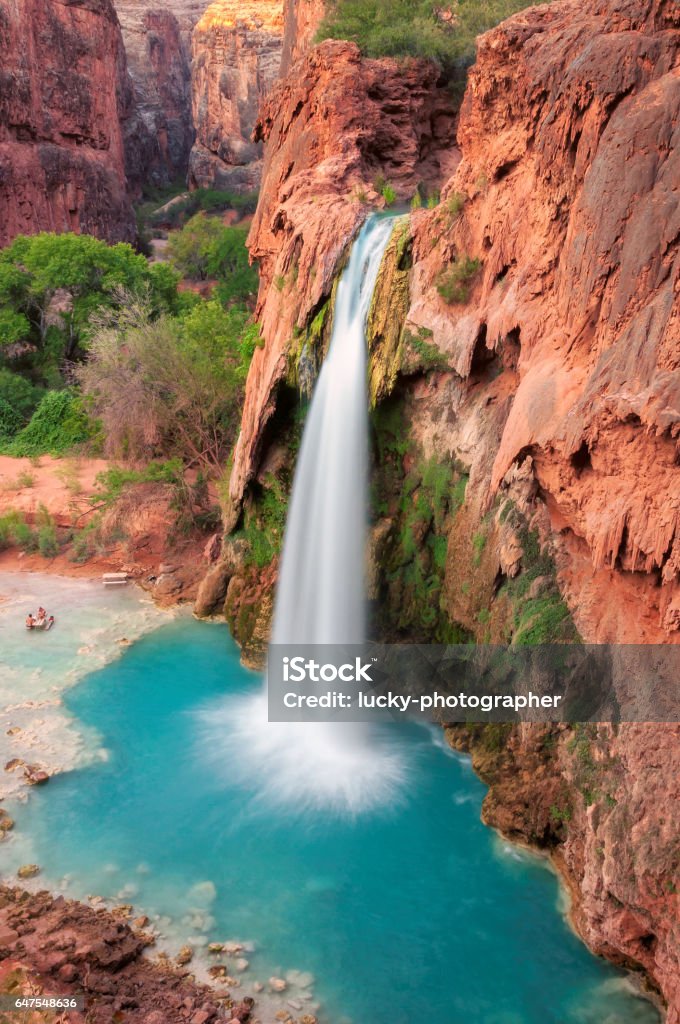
x,y
140,534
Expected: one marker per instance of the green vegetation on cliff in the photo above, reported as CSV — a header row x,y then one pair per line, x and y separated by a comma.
x,y
416,28
50,285
414,511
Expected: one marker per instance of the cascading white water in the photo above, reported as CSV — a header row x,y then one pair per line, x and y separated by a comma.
x,y
321,592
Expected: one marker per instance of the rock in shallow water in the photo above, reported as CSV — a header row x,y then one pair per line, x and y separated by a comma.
x,y
28,871
185,956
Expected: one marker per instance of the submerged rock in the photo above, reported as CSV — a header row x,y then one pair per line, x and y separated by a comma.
x,y
6,823
28,871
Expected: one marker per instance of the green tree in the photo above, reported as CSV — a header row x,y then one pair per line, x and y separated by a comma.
x,y
230,264
51,284
206,248
19,394
191,249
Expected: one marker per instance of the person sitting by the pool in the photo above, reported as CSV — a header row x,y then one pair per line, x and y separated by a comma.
x,y
30,621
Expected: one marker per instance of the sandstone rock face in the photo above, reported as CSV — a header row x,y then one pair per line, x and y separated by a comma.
x,y
159,133
334,124
565,196
617,853
236,60
301,22
63,96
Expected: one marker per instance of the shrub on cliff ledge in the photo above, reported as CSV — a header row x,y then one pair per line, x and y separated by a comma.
x,y
453,284
416,28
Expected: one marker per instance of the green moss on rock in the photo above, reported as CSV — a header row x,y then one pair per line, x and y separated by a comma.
x,y
387,314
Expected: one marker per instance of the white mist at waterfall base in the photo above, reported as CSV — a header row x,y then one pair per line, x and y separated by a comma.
x,y
304,766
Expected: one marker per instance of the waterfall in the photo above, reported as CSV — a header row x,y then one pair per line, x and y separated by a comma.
x,y
346,768
321,592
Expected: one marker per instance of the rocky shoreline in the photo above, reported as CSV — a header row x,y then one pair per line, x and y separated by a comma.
x,y
54,946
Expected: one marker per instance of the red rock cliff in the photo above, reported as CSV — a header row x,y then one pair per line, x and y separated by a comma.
x,y
63,96
159,132
301,19
236,60
567,195
567,399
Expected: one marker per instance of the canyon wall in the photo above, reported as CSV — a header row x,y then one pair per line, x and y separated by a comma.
x,y
64,94
524,345
301,23
236,59
159,132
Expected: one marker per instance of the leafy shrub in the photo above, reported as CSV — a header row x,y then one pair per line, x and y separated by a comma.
x,y
7,523
229,263
25,479
478,544
455,203
112,482
87,542
171,386
57,425
453,284
388,194
15,530
429,356
416,28
19,393
48,545
10,421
